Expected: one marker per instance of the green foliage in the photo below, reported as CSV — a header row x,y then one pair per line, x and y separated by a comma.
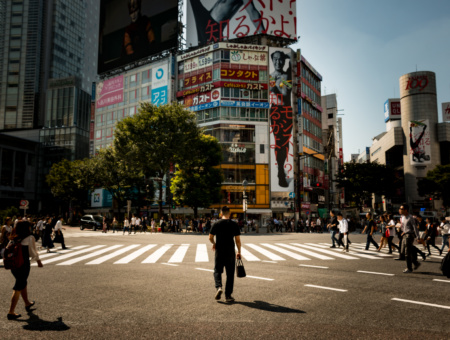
x,y
361,180
8,212
436,184
197,182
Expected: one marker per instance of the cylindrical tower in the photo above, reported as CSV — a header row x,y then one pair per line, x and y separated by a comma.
x,y
419,123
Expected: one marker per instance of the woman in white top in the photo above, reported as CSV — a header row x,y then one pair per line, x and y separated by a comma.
x,y
391,227
59,237
126,226
22,234
153,226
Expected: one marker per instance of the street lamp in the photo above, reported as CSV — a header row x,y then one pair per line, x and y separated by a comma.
x,y
244,200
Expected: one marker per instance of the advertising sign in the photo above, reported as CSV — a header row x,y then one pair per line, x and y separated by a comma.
x,y
135,29
229,84
101,198
212,20
281,120
110,92
234,103
160,76
199,62
239,74
198,79
446,112
419,142
248,57
202,98
392,110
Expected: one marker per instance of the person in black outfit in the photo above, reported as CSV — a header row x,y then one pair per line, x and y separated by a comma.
x,y
47,239
332,226
21,233
225,231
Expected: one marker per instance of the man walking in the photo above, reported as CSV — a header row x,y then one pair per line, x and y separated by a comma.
x,y
371,229
333,229
410,232
226,232
343,231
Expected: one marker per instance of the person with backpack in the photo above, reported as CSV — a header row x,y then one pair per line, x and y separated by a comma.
x,y
444,229
22,238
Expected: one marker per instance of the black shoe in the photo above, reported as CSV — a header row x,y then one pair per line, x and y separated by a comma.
x,y
440,252
229,299
28,308
13,316
424,257
333,247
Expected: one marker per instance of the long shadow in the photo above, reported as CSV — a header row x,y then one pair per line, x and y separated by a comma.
x,y
35,323
269,307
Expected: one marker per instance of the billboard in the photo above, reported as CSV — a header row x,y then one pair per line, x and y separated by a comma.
x,y
109,92
392,110
134,29
101,198
211,21
160,84
419,142
446,112
281,120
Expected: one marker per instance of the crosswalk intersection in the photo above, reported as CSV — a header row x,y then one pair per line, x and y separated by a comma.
x,y
201,253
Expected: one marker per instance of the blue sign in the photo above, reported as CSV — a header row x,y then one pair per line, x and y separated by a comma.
x,y
292,195
93,92
234,103
159,95
204,106
299,104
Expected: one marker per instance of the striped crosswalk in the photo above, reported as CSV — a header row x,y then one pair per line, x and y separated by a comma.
x,y
198,253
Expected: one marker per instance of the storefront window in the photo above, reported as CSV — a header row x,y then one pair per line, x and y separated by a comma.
x,y
238,153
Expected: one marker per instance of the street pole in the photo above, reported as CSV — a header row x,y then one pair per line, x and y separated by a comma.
x,y
244,200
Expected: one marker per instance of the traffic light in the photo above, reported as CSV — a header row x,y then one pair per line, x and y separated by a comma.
x,y
317,185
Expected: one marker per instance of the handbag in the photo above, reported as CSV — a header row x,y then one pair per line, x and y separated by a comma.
x,y
240,270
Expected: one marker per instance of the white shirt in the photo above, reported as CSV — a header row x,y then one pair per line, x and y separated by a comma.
x,y
58,226
40,225
31,243
133,220
319,222
126,223
343,226
138,221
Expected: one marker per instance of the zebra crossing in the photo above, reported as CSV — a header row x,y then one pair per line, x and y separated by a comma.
x,y
201,253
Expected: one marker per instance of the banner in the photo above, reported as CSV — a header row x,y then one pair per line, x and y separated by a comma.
x,y
109,92
419,142
160,76
248,57
239,74
210,21
446,112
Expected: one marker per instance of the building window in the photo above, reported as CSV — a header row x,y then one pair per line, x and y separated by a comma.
x,y
261,148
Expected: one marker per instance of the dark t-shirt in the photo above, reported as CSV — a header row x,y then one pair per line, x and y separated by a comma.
x,y
371,224
225,231
422,226
334,221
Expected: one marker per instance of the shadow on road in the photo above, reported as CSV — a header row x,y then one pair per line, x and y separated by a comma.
x,y
270,307
35,323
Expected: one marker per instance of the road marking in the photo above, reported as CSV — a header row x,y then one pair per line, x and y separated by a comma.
x,y
116,253
307,252
327,288
269,261
157,254
265,252
375,273
437,280
309,266
171,264
286,252
67,256
363,249
249,276
179,255
357,252
43,256
247,255
422,303
202,253
329,252
88,256
132,256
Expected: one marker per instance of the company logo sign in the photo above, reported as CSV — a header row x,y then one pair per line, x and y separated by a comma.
x,y
417,83
446,112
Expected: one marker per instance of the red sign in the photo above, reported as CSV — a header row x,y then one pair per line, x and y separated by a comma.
x,y
239,74
306,206
23,203
417,82
228,84
202,98
341,156
395,109
198,79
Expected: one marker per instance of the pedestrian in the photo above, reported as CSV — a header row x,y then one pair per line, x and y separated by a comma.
x,y
115,225
422,227
47,241
430,236
226,232
21,233
132,224
137,224
333,227
144,225
410,232
384,238
59,236
5,234
444,229
343,231
371,228
126,225
390,232
153,226
105,225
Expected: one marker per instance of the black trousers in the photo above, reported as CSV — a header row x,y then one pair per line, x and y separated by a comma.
x,y
227,261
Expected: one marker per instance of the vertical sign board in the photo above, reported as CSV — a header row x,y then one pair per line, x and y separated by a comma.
x,y
419,142
446,112
160,76
281,120
109,92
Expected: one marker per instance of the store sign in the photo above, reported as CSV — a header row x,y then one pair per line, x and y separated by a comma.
x,y
306,206
227,84
235,148
204,106
239,74
199,62
234,103
392,109
446,112
198,79
110,92
160,76
202,98
417,83
248,57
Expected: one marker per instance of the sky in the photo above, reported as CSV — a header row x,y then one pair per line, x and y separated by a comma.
x,y
361,48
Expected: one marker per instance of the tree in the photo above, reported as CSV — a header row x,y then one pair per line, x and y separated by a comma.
x,y
361,180
156,139
197,181
436,184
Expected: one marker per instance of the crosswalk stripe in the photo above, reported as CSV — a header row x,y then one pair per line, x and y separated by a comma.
x,y
69,255
307,252
116,253
157,254
265,252
355,252
132,256
285,252
59,252
248,256
329,252
180,253
201,254
363,249
88,256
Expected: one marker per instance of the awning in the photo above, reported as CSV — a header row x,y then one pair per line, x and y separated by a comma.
x,y
259,211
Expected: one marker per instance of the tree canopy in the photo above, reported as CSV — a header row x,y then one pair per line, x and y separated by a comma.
x,y
436,184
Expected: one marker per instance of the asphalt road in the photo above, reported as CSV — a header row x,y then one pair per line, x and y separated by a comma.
x,y
297,288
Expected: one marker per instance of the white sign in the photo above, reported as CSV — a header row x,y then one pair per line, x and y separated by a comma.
x,y
97,198
446,112
234,148
419,142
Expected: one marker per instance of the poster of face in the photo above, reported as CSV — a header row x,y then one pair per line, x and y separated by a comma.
x,y
281,120
419,142
210,21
